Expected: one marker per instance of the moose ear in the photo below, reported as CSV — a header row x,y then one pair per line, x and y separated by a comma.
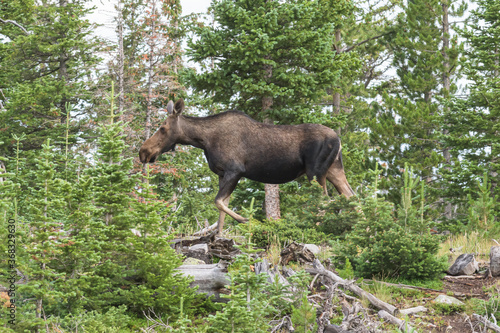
x,y
179,107
170,107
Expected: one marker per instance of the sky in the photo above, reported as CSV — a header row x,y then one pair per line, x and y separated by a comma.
x,y
105,13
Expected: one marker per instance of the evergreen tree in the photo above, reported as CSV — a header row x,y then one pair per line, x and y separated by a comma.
x,y
385,244
473,124
406,125
44,66
37,259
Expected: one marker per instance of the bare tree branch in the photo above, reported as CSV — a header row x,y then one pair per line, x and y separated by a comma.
x,y
16,24
350,48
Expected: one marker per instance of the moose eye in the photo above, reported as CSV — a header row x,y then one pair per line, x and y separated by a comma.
x,y
162,130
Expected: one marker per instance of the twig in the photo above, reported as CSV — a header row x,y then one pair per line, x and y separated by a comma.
x,y
486,322
16,24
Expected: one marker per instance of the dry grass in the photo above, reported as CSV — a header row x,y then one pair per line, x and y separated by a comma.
x,y
469,242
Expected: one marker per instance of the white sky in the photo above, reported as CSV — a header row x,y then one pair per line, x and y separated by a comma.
x,y
105,13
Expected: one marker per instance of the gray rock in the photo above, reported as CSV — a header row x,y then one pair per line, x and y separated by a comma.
x,y
495,261
313,248
465,264
193,261
444,299
201,248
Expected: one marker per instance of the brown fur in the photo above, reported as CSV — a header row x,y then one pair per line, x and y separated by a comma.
x,y
237,146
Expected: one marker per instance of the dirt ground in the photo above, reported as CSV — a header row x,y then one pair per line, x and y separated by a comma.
x,y
473,287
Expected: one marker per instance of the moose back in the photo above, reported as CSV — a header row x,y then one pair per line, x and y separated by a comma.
x,y
237,146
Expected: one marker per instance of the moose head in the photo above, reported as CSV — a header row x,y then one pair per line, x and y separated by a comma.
x,y
165,137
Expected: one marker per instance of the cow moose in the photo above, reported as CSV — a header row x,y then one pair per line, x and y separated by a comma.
x,y
237,146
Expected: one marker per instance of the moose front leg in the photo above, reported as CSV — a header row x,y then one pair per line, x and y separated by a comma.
x,y
227,184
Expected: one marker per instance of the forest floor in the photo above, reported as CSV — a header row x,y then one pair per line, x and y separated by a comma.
x,y
475,287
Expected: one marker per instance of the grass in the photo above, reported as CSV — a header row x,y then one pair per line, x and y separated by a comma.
x,y
468,242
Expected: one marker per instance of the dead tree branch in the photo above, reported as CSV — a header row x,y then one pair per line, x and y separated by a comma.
x,y
16,24
381,305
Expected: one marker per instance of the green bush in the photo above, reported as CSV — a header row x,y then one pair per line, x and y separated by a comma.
x,y
389,244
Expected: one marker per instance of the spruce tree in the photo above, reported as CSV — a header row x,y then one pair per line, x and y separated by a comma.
x,y
41,244
473,124
45,65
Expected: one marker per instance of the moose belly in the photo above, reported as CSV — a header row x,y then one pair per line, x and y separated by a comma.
x,y
278,172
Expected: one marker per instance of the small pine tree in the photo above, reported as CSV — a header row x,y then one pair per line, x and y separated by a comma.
x,y
42,242
387,244
482,209
249,305
304,317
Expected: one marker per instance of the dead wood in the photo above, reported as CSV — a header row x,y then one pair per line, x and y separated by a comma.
x,y
272,274
296,252
355,289
414,310
206,230
224,248
210,279
401,324
324,318
484,320
284,323
405,286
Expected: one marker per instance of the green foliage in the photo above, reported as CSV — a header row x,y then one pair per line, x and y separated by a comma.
x,y
347,272
43,69
304,317
385,244
282,50
248,304
482,210
448,309
486,307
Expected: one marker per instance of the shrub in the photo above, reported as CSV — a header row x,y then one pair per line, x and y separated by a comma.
x,y
384,243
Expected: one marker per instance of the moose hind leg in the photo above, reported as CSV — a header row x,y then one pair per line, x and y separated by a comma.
x,y
336,176
227,184
222,215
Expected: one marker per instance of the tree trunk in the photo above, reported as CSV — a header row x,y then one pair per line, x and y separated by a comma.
x,y
149,103
121,60
446,87
272,191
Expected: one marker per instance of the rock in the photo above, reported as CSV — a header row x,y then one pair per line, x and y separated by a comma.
x,y
495,261
465,264
193,261
444,299
200,251
202,248
313,248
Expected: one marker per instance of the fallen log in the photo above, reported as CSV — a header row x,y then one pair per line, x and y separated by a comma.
x,y
381,305
210,279
401,324
414,310
483,320
206,230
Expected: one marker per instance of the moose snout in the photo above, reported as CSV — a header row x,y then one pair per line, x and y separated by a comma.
x,y
146,156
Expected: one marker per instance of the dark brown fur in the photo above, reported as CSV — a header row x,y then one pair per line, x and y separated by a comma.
x,y
237,146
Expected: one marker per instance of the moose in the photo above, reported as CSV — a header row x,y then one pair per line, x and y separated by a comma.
x,y
237,146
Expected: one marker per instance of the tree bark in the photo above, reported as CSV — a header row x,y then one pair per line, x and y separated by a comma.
x,y
446,87
272,191
355,289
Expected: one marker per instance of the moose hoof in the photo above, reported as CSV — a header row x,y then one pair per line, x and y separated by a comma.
x,y
243,220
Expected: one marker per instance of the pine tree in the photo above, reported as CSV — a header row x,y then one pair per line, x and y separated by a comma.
x,y
407,124
44,67
473,124
43,240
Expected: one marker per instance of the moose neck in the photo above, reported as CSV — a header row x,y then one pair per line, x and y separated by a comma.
x,y
195,131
